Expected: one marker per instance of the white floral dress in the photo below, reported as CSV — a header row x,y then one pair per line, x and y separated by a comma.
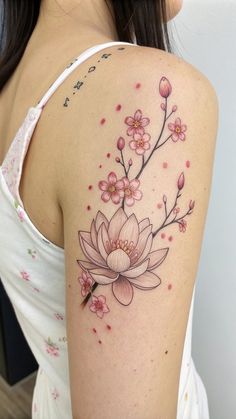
x,y
32,273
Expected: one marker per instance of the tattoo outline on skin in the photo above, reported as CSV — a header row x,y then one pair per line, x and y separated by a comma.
x,y
119,251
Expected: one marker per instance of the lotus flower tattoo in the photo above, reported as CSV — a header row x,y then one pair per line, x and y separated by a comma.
x,y
119,253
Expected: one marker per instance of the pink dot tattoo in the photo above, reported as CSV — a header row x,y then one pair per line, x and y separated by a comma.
x,y
103,120
90,187
108,155
169,286
108,327
187,163
138,85
170,238
94,330
165,165
118,107
163,235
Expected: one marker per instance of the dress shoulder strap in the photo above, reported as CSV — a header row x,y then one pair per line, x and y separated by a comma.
x,y
74,64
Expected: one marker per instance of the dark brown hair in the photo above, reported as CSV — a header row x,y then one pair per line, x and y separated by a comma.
x,y
143,18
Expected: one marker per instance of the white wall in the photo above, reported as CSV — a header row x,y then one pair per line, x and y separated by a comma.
x,y
206,37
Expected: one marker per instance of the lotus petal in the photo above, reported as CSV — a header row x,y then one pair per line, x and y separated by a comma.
x,y
86,236
130,230
86,265
142,240
123,290
102,240
146,281
116,223
144,223
103,276
138,270
106,238
146,250
91,253
157,257
100,218
94,235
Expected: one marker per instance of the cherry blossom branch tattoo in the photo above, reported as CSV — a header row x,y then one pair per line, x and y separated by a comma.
x,y
118,251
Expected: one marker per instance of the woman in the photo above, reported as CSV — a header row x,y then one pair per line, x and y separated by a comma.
x,y
104,192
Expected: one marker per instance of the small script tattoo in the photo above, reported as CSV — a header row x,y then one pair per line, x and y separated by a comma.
x,y
79,83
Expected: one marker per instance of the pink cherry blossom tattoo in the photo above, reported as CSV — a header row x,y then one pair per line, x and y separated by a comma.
x,y
178,130
136,123
120,251
86,283
112,189
99,306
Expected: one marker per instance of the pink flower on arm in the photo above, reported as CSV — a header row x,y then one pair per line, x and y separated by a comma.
x,y
136,123
86,283
119,253
140,143
131,191
112,189
99,305
182,226
178,130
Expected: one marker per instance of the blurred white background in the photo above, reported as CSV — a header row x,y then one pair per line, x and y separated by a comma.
x,y
205,34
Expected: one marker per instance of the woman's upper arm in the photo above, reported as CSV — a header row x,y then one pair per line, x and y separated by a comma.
x,y
134,187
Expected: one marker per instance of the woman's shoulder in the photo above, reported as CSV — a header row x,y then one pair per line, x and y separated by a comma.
x,y
143,80
152,62
131,77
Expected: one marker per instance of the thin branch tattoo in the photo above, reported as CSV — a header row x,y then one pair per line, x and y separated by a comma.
x,y
119,251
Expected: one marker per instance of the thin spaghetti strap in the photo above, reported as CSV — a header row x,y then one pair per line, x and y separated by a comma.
x,y
75,63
